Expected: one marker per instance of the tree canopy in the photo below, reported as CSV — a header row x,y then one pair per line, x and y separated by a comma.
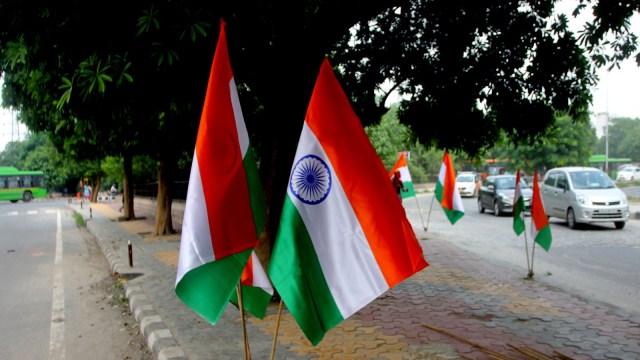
x,y
131,77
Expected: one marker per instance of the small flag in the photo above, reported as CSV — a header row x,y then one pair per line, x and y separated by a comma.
x,y
405,176
447,192
518,207
225,209
540,230
344,238
256,288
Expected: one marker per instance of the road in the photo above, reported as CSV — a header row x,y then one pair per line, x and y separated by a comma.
x,y
58,299
596,262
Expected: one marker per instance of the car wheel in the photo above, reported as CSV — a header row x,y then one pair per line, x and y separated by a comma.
x,y
571,219
480,207
496,209
619,225
26,197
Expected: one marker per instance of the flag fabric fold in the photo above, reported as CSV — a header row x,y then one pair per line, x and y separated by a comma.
x,y
257,290
518,207
344,238
225,209
402,166
447,192
540,229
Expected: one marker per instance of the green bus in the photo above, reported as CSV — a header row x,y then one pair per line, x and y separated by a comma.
x,y
21,185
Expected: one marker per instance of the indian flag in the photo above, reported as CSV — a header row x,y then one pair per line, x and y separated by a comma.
x,y
540,230
405,176
518,207
344,238
446,191
224,210
256,288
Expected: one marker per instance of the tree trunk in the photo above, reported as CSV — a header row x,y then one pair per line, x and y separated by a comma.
x,y
128,187
164,224
96,189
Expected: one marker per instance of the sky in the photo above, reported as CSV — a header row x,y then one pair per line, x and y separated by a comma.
x,y
617,94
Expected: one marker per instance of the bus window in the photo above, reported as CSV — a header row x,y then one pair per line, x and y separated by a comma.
x,y
13,182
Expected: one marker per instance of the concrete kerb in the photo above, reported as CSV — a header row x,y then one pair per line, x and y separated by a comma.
x,y
158,336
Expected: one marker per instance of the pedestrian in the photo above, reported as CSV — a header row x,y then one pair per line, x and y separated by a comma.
x,y
398,185
87,192
113,191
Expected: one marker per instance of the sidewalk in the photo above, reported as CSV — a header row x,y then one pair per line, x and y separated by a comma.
x,y
459,307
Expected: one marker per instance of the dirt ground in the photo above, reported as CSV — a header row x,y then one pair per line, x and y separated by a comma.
x,y
129,342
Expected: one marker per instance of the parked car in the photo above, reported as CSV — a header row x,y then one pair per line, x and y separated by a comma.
x,y
496,193
629,173
468,184
583,195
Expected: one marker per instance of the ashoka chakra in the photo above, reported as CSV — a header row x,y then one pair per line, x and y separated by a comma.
x,y
310,180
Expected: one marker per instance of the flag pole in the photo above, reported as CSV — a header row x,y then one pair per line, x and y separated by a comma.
x,y
247,351
275,336
420,212
526,249
430,209
533,251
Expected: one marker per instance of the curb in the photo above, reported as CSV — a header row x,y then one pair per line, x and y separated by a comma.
x,y
157,334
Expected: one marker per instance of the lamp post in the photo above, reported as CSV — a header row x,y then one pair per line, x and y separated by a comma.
x,y
606,141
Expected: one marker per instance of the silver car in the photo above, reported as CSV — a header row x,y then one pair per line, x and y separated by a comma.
x,y
583,195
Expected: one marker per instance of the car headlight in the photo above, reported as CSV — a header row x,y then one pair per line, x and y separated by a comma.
x,y
582,199
624,200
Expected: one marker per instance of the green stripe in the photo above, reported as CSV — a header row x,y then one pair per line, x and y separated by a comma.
x,y
254,300
452,215
208,288
518,222
410,190
256,195
543,238
296,273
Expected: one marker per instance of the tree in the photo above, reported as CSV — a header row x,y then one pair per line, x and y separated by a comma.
x,y
623,138
503,66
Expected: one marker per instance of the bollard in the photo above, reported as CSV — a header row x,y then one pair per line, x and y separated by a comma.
x,y
90,213
130,254
80,204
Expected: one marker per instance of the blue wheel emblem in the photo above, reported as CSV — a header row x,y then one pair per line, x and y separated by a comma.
x,y
310,180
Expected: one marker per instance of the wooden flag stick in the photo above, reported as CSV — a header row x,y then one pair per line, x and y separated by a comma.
x,y
275,336
247,351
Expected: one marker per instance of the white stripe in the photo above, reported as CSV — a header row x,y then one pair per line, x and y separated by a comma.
x,y
56,337
243,136
195,243
405,176
344,254
260,278
457,199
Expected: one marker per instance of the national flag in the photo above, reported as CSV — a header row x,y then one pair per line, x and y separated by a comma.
x,y
405,176
518,207
447,192
256,288
225,209
540,230
344,238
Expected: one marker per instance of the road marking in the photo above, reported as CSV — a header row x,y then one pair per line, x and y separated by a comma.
x,y
32,212
56,342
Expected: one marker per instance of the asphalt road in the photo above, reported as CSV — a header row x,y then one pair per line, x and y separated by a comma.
x,y
597,262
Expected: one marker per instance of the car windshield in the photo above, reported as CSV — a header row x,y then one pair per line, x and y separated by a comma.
x,y
591,180
510,183
465,178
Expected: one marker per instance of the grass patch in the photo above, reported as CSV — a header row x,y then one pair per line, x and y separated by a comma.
x,y
79,219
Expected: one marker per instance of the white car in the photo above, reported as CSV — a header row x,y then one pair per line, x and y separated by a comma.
x,y
467,184
629,173
583,195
